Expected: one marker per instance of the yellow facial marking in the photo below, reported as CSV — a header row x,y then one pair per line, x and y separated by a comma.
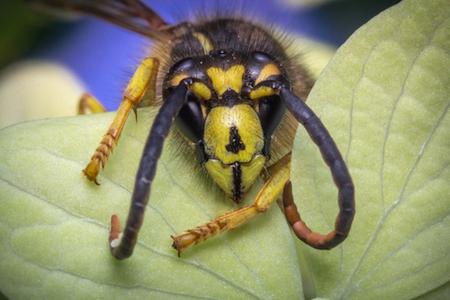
x,y
217,133
222,175
223,80
201,91
178,78
267,71
204,41
263,91
251,171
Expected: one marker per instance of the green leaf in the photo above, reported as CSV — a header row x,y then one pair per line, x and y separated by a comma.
x,y
54,223
439,293
385,99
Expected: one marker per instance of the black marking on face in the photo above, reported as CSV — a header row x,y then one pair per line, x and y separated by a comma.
x,y
237,180
230,98
235,144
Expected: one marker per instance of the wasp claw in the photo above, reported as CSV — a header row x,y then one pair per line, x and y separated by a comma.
x,y
176,246
135,113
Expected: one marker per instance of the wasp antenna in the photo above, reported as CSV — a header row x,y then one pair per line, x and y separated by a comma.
x,y
333,158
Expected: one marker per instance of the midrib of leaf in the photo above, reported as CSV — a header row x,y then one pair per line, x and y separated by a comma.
x,y
352,103
350,138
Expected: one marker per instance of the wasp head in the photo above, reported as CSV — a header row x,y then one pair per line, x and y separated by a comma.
x,y
229,118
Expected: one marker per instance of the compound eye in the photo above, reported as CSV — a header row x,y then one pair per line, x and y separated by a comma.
x,y
271,111
261,57
181,70
186,68
183,65
264,69
190,120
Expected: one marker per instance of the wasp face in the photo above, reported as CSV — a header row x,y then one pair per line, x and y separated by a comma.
x,y
233,142
229,119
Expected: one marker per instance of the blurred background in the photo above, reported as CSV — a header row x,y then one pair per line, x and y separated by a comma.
x,y
46,62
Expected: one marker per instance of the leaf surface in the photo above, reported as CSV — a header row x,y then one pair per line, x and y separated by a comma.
x,y
385,99
54,223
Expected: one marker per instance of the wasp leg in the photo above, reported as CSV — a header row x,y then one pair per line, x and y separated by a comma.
x,y
273,187
144,76
122,246
89,103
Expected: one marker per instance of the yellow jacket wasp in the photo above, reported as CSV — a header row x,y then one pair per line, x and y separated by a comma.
x,y
234,93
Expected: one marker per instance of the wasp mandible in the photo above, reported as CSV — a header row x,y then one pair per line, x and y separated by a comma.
x,y
234,93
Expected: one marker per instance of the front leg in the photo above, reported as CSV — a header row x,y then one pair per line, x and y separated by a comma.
x,y
143,78
279,175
